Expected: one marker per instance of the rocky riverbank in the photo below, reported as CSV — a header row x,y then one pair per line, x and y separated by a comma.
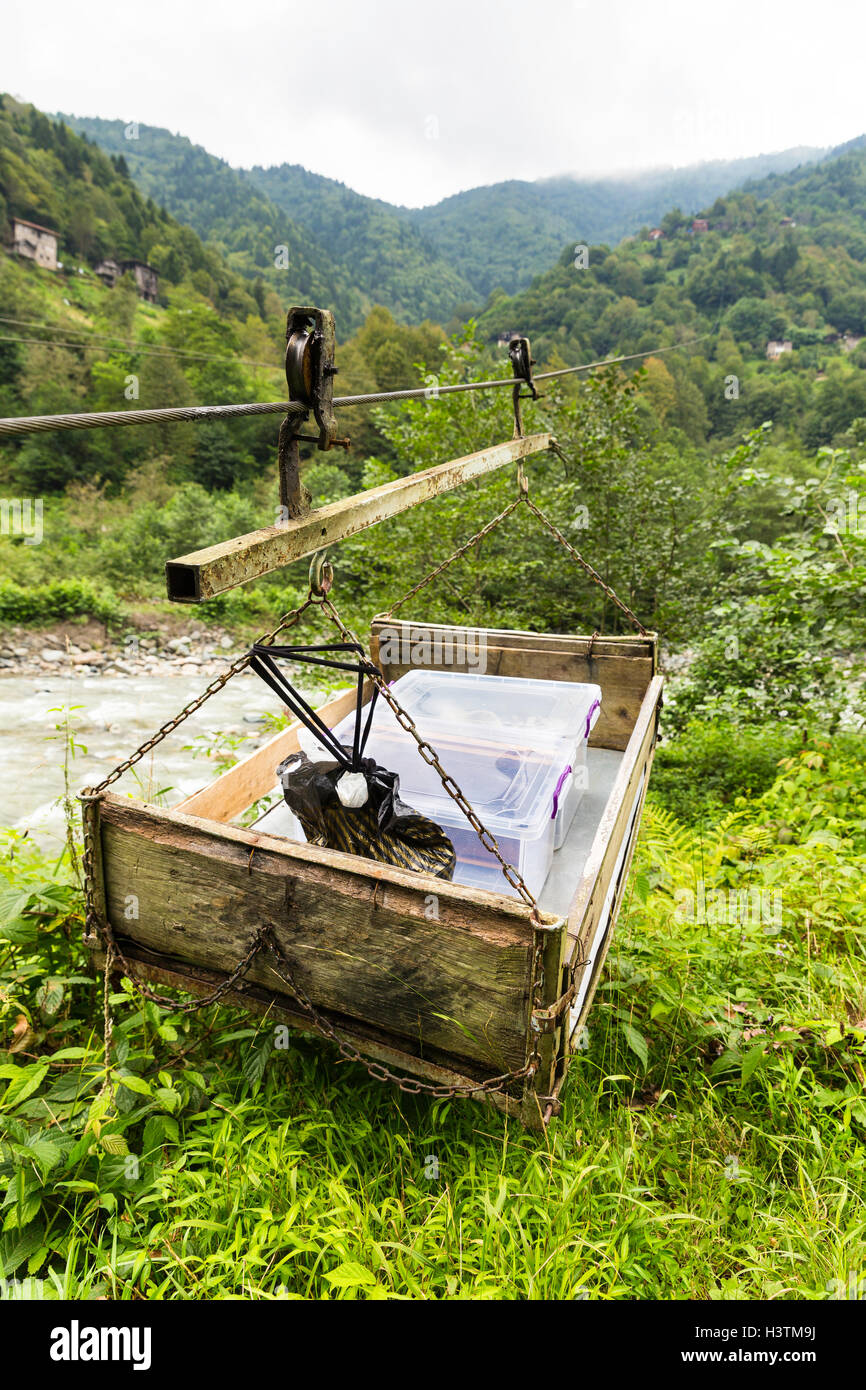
x,y
90,650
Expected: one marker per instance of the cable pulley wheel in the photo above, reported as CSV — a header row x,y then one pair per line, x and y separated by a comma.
x,y
299,366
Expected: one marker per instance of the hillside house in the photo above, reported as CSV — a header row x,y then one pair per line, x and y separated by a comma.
x,y
36,243
504,339
146,278
656,234
700,224
787,222
109,272
776,346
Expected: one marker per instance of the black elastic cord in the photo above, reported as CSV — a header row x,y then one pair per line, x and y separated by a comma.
x,y
366,734
299,707
262,662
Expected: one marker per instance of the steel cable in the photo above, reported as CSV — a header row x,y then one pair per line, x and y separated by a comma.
x,y
103,419
35,424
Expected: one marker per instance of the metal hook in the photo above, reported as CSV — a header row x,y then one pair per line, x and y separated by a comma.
x,y
321,574
522,363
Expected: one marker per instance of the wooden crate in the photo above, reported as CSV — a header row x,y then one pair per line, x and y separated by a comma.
x,y
432,978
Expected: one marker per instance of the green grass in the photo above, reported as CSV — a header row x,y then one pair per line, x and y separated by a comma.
x,y
710,1144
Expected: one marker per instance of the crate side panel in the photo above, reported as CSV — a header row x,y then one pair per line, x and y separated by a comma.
x,y
362,948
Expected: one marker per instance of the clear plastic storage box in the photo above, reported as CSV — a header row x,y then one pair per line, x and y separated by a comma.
x,y
516,747
538,712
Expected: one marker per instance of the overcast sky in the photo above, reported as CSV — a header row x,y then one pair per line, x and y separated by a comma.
x,y
414,101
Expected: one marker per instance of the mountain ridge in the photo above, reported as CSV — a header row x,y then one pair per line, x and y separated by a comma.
x,y
773,273
438,262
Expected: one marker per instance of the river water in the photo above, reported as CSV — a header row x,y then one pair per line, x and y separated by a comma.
x,y
116,714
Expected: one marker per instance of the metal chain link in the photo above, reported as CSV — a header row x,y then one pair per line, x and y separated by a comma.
x,y
473,540
593,573
201,1002
523,496
376,1070
287,620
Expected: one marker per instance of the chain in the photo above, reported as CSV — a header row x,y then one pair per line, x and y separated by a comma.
x,y
194,1004
473,540
262,939
523,496
411,1085
593,573
287,620
281,967
107,1021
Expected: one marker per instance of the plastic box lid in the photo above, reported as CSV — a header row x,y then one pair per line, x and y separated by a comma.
x,y
492,705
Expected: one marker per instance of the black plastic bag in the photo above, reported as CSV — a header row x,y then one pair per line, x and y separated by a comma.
x,y
383,828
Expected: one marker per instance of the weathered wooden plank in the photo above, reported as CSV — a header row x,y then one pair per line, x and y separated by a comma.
x,y
550,1044
428,962
203,573
255,776
621,819
148,966
621,645
624,678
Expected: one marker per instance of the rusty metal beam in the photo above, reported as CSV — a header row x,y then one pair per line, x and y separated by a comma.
x,y
205,573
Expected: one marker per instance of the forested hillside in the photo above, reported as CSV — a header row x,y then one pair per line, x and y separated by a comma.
x,y
500,235
51,175
361,251
240,224
67,342
396,261
437,262
783,262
